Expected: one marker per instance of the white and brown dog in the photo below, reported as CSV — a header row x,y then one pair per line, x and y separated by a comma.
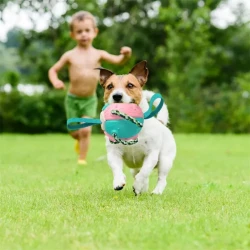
x,y
156,145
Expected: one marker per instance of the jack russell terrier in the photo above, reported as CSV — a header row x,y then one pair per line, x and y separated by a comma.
x,y
156,145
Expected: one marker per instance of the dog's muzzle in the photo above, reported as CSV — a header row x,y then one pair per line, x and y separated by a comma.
x,y
117,97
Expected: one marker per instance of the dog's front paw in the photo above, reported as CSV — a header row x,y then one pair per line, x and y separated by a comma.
x,y
119,182
140,185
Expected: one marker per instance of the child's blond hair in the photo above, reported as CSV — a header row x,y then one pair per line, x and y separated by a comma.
x,y
80,16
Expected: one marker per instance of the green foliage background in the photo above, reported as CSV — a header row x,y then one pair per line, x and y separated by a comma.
x,y
202,71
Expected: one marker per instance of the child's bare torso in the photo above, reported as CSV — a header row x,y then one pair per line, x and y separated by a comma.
x,y
83,76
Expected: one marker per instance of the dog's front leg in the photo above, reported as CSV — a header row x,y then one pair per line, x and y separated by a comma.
x,y
141,179
116,164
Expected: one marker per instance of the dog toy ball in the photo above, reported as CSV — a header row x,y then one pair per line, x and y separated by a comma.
x,y
122,122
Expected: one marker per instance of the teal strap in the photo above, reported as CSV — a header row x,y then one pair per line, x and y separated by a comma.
x,y
77,123
105,106
149,113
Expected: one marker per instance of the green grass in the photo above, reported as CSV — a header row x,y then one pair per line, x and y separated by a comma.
x,y
45,204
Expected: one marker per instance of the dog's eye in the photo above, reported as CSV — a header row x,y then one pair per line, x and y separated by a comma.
x,y
130,85
110,86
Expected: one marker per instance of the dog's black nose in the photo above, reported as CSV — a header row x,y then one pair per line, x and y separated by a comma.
x,y
117,97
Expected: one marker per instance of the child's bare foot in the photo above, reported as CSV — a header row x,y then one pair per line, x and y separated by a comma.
x,y
81,162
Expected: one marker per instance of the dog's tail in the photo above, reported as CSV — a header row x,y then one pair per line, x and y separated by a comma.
x,y
163,115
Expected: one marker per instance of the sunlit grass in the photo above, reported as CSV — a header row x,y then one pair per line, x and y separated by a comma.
x,y
45,203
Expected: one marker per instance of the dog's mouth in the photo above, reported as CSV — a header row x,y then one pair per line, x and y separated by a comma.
x,y
121,98
114,101
132,101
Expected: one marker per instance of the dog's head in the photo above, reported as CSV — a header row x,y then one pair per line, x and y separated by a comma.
x,y
124,88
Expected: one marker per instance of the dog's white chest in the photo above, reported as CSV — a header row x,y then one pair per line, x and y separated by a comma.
x,y
134,155
148,140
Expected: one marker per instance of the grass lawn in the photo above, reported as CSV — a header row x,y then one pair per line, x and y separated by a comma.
x,y
46,204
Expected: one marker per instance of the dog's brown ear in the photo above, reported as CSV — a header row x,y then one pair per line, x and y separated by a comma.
x,y
104,75
140,71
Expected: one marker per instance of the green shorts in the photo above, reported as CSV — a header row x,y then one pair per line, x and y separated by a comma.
x,y
77,106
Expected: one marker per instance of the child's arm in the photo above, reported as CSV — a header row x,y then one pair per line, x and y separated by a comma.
x,y
53,71
125,54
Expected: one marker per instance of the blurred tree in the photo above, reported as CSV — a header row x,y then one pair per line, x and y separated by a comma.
x,y
12,77
201,61
14,38
8,63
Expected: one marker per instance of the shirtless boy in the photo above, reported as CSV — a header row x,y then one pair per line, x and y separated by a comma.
x,y
81,100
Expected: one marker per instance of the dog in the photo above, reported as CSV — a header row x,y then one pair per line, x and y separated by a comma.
x,y
156,145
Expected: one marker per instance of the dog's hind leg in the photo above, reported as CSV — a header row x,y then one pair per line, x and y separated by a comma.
x,y
141,179
164,167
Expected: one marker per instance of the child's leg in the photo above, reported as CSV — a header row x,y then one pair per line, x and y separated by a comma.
x,y
87,108
75,134
84,140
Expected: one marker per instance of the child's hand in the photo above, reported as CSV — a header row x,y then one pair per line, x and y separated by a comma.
x,y
126,51
59,84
